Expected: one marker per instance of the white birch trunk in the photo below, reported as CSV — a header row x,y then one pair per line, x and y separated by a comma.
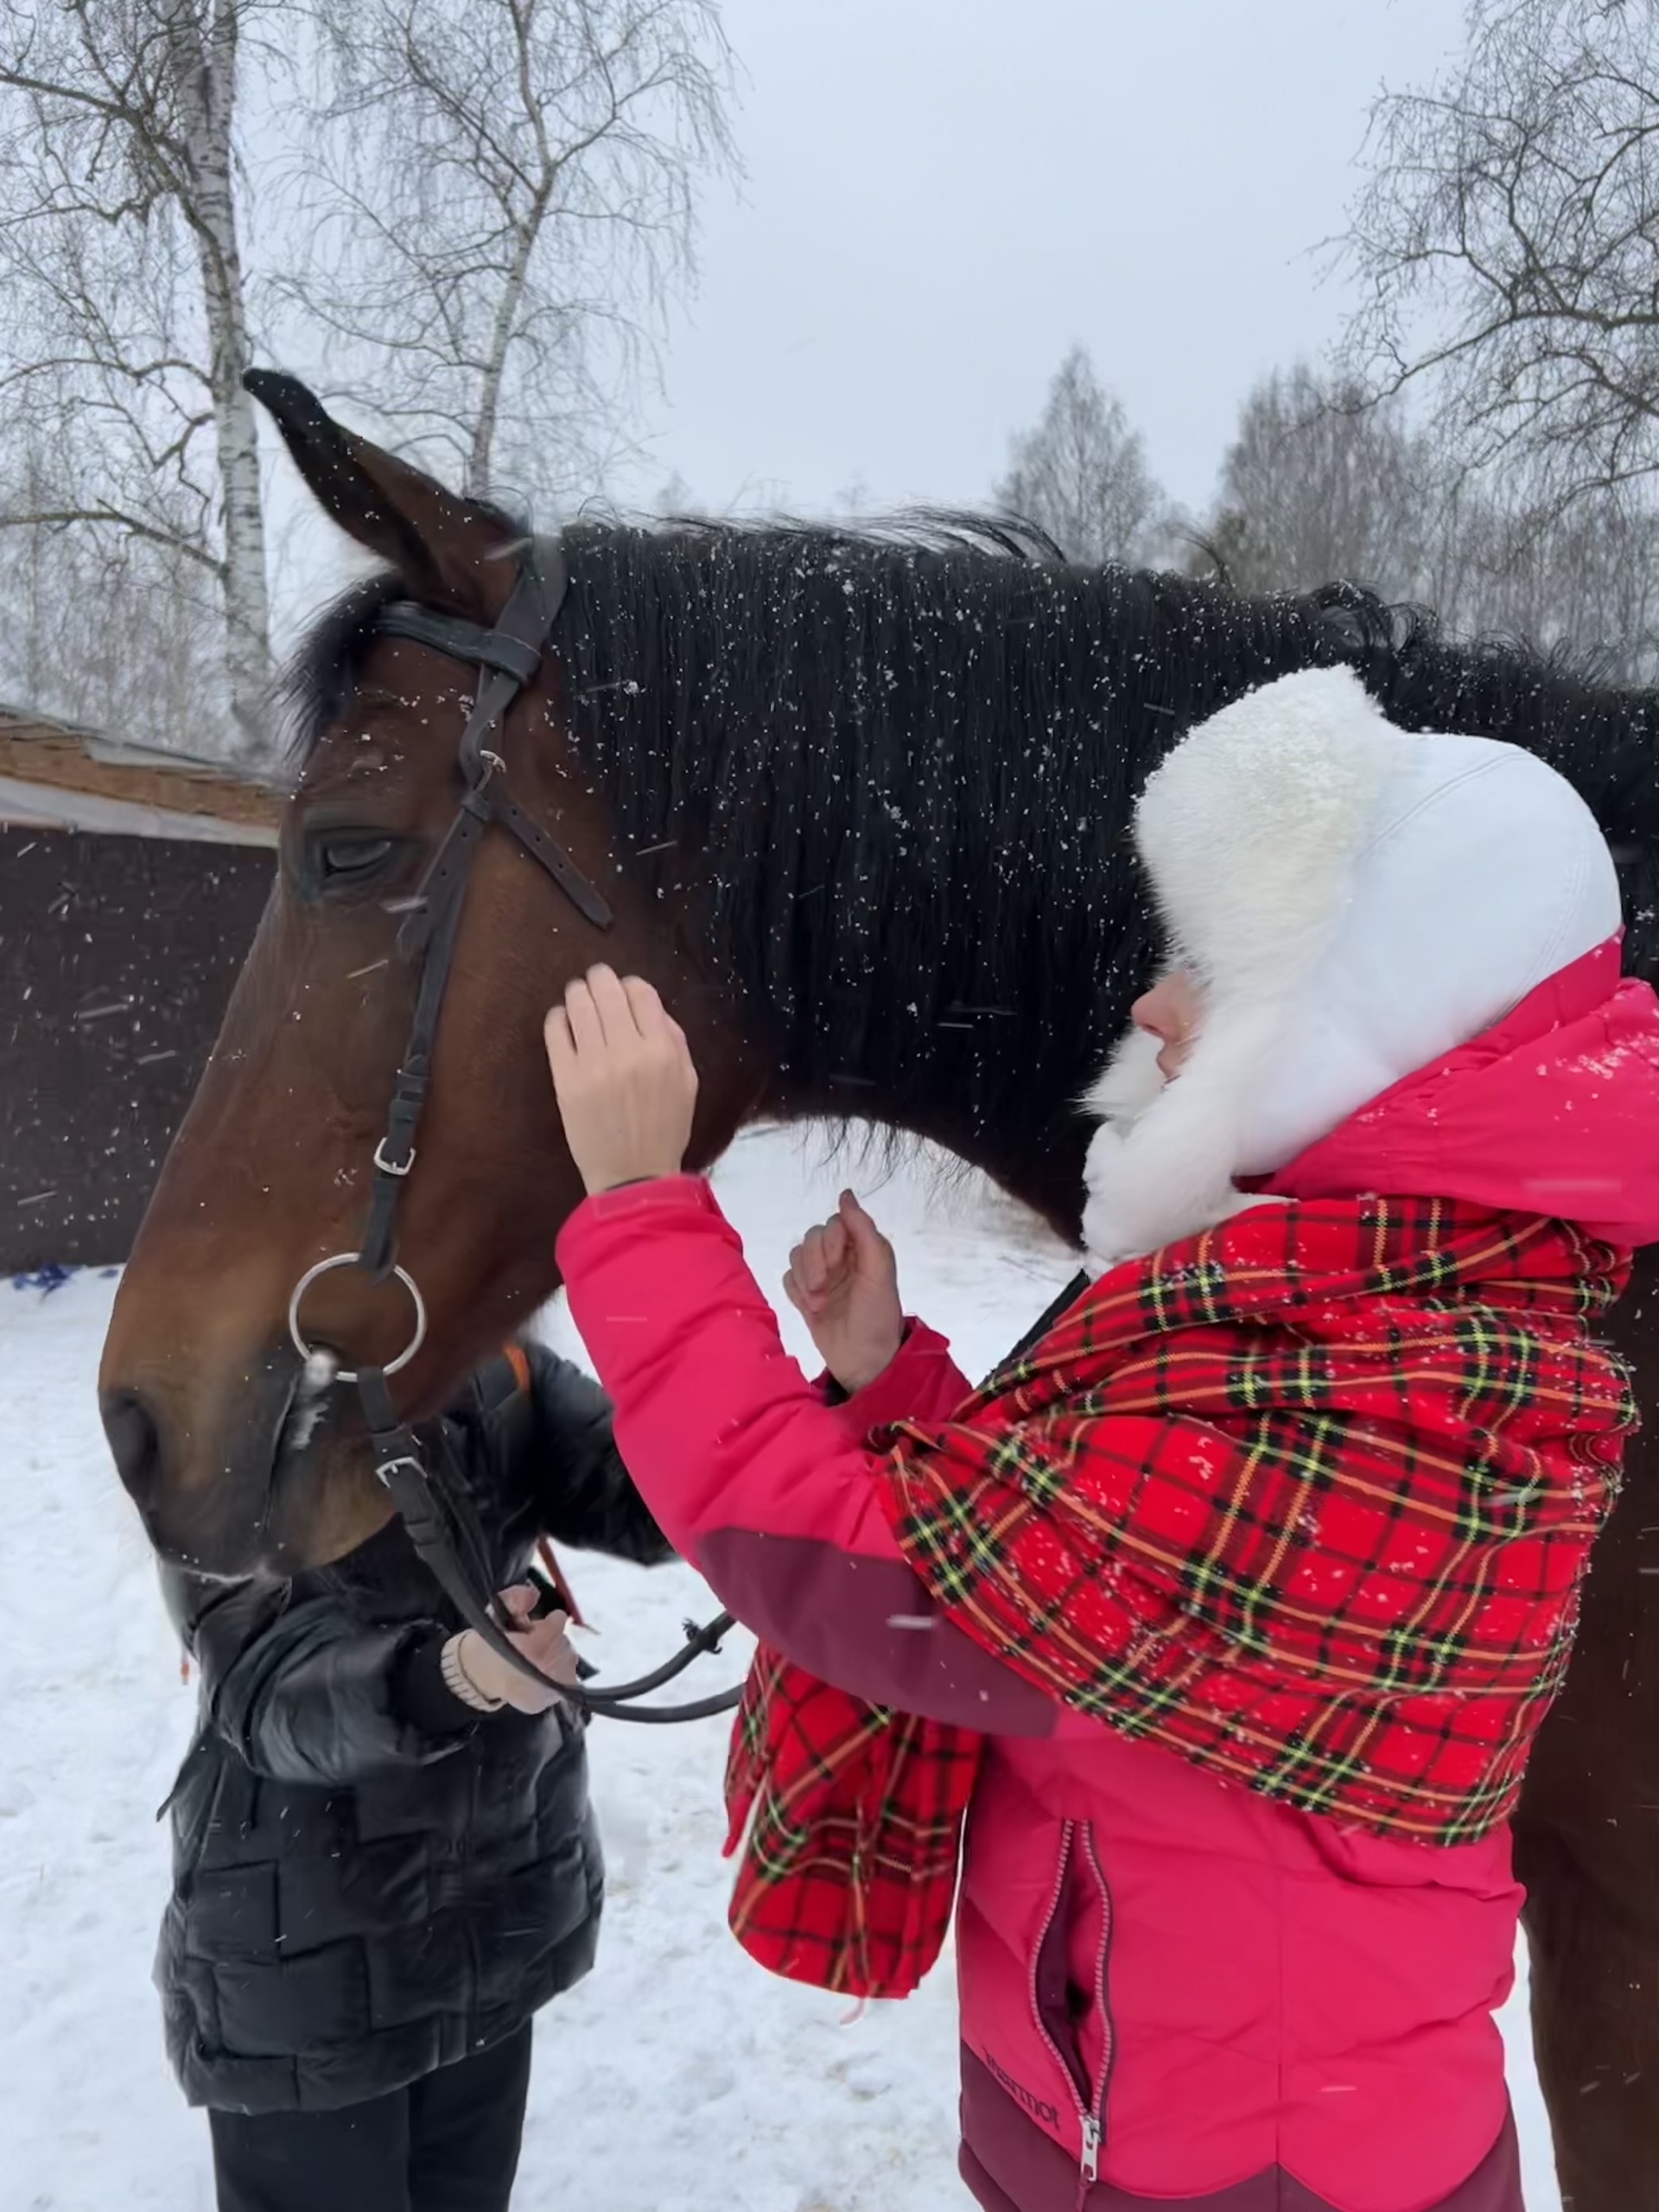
x,y
204,54
503,326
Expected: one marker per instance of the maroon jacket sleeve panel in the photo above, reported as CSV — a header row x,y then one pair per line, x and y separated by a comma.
x,y
768,1491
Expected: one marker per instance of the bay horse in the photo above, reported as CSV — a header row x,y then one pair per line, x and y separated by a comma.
x,y
856,801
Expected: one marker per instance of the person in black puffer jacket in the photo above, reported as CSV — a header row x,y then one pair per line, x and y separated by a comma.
x,y
379,1873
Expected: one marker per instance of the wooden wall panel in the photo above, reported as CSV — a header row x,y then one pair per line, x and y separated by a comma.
x,y
117,959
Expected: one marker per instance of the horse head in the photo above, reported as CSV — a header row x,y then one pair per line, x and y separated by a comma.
x,y
236,1455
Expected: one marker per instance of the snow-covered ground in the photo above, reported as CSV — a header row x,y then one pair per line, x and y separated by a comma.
x,y
678,2078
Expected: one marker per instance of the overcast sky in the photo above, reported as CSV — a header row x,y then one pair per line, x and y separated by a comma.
x,y
941,195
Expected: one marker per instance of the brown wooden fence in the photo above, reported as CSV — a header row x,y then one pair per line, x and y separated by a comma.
x,y
117,953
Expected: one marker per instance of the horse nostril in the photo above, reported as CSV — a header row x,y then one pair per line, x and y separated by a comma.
x,y
134,1439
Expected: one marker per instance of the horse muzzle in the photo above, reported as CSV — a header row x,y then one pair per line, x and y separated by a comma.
x,y
262,1477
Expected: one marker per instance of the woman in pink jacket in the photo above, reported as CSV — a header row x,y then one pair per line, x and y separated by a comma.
x,y
1211,1634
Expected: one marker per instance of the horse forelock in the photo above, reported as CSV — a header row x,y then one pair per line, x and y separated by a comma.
x,y
314,688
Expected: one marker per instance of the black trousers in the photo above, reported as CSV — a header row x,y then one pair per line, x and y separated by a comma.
x,y
448,2143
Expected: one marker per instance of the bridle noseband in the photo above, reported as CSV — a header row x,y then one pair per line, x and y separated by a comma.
x,y
435,1506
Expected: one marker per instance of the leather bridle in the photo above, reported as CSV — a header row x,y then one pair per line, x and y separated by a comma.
x,y
433,1501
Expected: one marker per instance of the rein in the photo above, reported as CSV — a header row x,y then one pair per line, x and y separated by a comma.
x,y
431,1499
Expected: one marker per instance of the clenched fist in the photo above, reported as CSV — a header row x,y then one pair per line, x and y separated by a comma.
x,y
843,1282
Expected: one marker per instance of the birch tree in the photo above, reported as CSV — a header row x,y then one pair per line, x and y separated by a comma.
x,y
1506,243
471,212
1081,472
503,195
126,332
1317,486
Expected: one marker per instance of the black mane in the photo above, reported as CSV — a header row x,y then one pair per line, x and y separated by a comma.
x,y
911,754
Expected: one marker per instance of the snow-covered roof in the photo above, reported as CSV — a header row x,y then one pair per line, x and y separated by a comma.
x,y
55,776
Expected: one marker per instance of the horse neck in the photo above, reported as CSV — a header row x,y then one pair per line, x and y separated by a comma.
x,y
1007,959
992,1066
991,1074
911,783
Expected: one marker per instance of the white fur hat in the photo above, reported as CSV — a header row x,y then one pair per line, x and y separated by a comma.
x,y
1354,901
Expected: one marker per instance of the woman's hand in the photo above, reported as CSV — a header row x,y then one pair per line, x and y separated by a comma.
x,y
623,1074
543,1642
843,1282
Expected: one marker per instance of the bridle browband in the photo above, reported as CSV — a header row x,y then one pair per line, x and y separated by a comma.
x,y
432,1502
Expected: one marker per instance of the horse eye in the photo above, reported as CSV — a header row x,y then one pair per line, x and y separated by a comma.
x,y
344,858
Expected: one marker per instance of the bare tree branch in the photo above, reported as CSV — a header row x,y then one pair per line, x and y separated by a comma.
x,y
1320,484
133,525
1506,243
478,217
501,198
120,253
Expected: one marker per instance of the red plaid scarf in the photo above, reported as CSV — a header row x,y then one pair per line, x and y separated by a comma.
x,y
1307,1500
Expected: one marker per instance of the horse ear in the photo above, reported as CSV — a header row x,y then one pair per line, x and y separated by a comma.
x,y
446,549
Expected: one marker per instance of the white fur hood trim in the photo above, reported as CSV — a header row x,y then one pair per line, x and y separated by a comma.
x,y
1353,901
1286,783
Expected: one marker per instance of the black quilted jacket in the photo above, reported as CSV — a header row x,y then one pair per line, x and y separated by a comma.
x,y
370,1880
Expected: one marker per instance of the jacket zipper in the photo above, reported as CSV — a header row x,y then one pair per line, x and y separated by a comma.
x,y
1091,2110
1094,2127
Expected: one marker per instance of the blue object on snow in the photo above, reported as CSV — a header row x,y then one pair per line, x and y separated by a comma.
x,y
46,1280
